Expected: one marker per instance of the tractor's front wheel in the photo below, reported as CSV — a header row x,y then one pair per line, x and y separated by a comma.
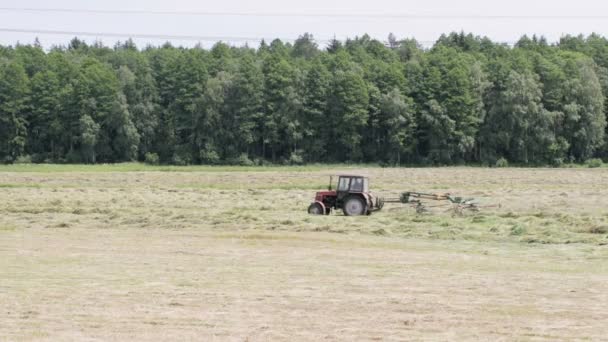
x,y
354,206
316,209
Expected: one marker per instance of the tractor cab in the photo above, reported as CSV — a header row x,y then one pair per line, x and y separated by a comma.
x,y
351,184
351,194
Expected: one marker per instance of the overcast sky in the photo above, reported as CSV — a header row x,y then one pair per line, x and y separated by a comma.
x,y
424,20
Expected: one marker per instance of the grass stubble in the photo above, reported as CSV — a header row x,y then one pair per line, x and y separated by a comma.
x,y
232,255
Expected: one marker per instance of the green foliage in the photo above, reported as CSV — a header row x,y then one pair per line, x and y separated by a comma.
x,y
594,163
26,159
396,125
517,124
466,100
13,108
241,160
502,162
450,108
295,159
151,158
348,102
557,162
89,134
179,160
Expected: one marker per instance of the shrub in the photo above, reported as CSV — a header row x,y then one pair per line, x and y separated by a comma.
x,y
151,158
178,160
295,159
27,159
502,162
210,157
593,163
73,157
241,160
38,158
557,162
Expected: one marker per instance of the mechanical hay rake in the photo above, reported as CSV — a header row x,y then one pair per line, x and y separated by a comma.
x,y
421,202
352,195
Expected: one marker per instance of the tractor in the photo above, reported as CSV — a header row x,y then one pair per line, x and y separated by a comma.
x,y
351,195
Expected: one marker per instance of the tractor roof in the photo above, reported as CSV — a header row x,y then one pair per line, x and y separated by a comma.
x,y
352,176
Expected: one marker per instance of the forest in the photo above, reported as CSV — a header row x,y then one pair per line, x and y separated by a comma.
x,y
465,100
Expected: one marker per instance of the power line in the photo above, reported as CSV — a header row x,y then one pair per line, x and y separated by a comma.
x,y
314,15
150,36
187,37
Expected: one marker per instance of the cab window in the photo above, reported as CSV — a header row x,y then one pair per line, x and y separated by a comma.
x,y
357,185
343,184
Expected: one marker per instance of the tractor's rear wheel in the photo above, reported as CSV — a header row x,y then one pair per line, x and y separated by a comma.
x,y
316,209
354,206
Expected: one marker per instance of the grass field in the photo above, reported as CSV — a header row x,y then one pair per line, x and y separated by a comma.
x,y
129,252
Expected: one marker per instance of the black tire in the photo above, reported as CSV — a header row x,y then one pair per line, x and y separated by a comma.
x,y
354,206
316,209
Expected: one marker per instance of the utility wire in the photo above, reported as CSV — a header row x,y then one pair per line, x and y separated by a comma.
x,y
149,36
187,37
314,15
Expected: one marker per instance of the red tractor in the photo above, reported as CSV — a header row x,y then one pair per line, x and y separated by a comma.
x,y
351,195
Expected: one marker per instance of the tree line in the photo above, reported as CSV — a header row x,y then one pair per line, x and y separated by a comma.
x,y
467,99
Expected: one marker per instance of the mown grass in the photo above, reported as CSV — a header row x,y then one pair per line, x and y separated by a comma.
x,y
234,243
555,206
7,228
19,185
185,274
241,186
